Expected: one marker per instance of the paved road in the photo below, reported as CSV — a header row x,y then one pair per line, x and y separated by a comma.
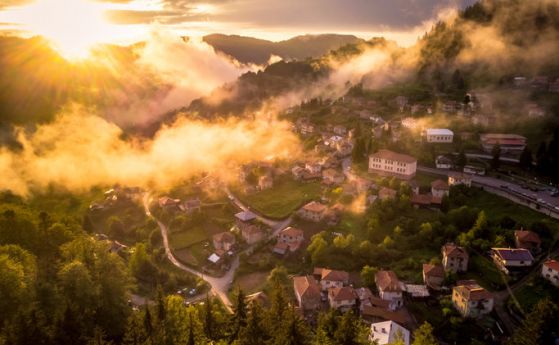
x,y
539,201
219,285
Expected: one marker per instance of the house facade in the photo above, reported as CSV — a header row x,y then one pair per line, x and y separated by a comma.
x,y
252,234
455,258
313,211
527,240
332,278
307,292
224,241
471,300
550,271
439,188
343,298
388,332
389,163
439,135
455,179
433,276
389,288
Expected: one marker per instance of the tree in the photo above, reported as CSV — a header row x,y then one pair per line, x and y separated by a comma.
x,y
350,330
135,331
254,333
279,277
368,274
239,317
424,335
538,326
208,318
496,157
526,158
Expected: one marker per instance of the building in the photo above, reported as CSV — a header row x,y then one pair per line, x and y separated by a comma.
x,y
244,219
252,234
388,332
550,271
343,298
289,238
366,297
387,194
307,292
508,259
224,241
471,300
167,202
331,176
331,278
298,172
191,205
451,107
265,182
433,276
439,188
443,162
439,135
455,258
527,240
313,168
389,288
340,130
509,143
474,169
313,211
388,163
455,179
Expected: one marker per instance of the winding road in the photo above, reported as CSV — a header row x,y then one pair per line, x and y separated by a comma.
x,y
219,285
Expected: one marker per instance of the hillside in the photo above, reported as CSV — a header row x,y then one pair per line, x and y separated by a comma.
x,y
258,51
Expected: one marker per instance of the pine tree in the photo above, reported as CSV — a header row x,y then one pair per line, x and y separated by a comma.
x,y
496,157
254,332
292,330
239,317
539,325
191,340
161,312
135,332
208,318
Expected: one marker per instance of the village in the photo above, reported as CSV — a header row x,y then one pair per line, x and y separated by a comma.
x,y
284,212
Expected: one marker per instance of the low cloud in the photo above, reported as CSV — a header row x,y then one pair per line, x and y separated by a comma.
x,y
81,150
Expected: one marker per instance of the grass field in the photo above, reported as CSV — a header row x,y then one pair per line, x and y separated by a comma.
x,y
183,239
485,272
251,282
535,290
285,197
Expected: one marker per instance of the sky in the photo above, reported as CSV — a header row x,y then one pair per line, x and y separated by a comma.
x,y
401,20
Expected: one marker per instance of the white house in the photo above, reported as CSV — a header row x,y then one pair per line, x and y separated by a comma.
x,y
313,211
388,332
389,288
331,278
439,135
550,271
511,258
471,300
388,163
443,162
439,188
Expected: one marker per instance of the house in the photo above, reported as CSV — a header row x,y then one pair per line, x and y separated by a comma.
x,y
224,241
409,122
455,179
443,162
439,188
167,202
252,234
342,298
550,271
313,211
450,107
474,169
386,194
265,182
289,239
389,163
244,219
528,240
331,278
306,128
307,292
509,143
388,332
191,205
389,288
340,130
331,176
471,300
421,200
366,297
298,172
508,259
344,149
455,258
313,168
433,276
439,135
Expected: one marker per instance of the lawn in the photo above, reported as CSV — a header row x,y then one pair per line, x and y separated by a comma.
x,y
251,282
283,199
536,289
485,272
184,239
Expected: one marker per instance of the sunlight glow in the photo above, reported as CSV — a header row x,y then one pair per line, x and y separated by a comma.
x,y
73,27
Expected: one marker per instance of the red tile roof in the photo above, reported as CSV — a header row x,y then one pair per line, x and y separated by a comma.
x,y
527,236
452,250
315,207
342,294
306,286
334,275
224,237
292,232
439,184
433,270
388,281
553,264
473,292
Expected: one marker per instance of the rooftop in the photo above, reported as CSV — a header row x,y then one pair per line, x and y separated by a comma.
x,y
394,156
306,286
513,254
314,206
452,250
388,281
345,293
438,131
245,216
553,264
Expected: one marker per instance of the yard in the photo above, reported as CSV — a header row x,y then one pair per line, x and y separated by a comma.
x,y
284,198
484,271
251,282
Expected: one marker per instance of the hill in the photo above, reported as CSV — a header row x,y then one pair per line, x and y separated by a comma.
x,y
258,51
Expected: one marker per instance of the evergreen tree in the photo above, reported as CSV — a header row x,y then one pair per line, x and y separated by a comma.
x,y
191,340
208,318
135,332
461,160
254,332
538,326
239,317
292,330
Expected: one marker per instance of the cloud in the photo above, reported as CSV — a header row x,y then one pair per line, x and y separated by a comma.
x,y
81,150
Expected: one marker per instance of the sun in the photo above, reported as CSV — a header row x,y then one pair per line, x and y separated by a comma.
x,y
72,26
